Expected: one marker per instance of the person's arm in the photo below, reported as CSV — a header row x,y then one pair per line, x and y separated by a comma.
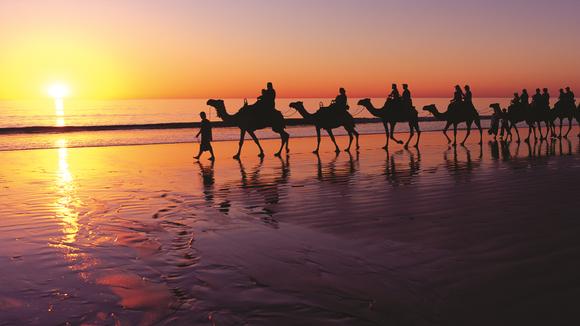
x,y
198,133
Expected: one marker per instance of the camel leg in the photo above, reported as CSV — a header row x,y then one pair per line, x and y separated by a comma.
x,y
533,128
478,124
445,132
517,133
240,144
386,125
317,141
468,124
352,131
454,134
350,138
393,124
416,126
284,141
540,130
411,134
329,131
569,127
286,138
253,135
561,122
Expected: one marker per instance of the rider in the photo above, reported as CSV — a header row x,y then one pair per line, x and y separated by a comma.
x,y
571,96
270,96
468,98
537,99
546,99
341,100
458,95
525,98
407,96
395,96
562,97
516,100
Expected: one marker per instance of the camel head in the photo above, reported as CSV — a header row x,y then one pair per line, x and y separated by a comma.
x,y
365,102
297,105
430,108
218,105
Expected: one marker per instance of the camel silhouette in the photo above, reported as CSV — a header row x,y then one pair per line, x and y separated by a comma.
x,y
328,119
249,120
516,115
561,112
391,116
519,113
455,117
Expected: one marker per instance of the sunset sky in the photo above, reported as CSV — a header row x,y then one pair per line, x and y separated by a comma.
x,y
183,48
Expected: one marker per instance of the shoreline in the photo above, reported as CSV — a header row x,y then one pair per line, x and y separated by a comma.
x,y
462,128
167,126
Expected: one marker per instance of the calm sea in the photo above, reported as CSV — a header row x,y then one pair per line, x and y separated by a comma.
x,y
16,116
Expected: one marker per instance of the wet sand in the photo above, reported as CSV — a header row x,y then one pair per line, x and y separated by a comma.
x,y
438,236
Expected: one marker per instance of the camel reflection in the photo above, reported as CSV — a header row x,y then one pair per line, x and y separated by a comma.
x,y
332,172
403,174
462,165
258,191
548,148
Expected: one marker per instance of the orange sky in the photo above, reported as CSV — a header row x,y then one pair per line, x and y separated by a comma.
x,y
178,48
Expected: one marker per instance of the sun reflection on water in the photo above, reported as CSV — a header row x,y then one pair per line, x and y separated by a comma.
x,y
67,203
59,111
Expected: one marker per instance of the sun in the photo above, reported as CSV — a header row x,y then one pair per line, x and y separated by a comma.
x,y
58,90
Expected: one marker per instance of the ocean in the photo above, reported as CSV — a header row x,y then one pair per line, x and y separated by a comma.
x,y
38,124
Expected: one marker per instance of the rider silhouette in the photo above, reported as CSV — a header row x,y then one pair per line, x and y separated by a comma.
x,y
468,98
394,93
537,99
546,99
571,97
407,96
267,101
516,100
525,98
458,95
340,101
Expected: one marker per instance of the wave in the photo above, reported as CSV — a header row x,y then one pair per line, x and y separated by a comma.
x,y
158,126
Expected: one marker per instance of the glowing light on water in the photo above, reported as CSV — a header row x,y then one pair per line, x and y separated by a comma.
x,y
67,203
58,92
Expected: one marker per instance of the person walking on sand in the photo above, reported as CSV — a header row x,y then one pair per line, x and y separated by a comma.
x,y
206,137
494,124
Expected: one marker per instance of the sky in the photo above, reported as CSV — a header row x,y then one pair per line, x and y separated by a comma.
x,y
113,49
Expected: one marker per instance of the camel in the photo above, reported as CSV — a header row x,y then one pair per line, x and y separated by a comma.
x,y
563,111
516,115
532,116
390,116
454,117
249,119
328,119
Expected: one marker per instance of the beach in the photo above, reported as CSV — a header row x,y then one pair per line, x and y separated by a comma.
x,y
439,235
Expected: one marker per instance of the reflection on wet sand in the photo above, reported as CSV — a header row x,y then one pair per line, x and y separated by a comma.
x,y
331,172
405,237
403,174
459,161
67,204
